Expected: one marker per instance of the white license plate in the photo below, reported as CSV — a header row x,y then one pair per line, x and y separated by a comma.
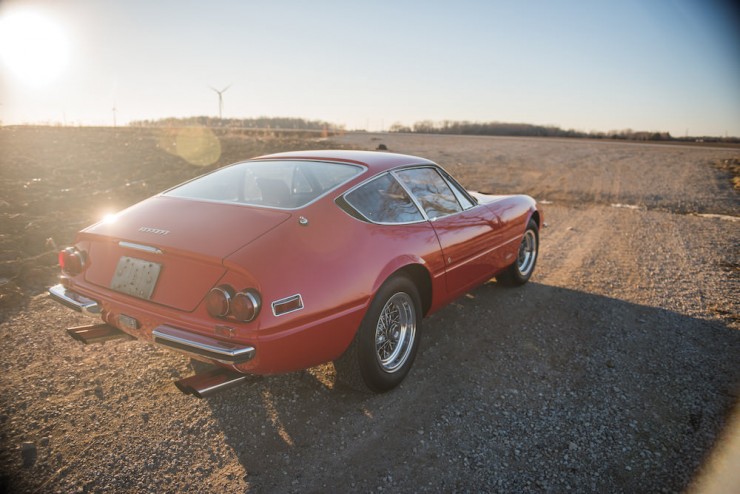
x,y
135,277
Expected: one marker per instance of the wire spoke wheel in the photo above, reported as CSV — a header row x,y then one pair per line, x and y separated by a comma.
x,y
519,271
395,332
527,252
383,350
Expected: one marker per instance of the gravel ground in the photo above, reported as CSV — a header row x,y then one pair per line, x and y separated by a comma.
x,y
614,370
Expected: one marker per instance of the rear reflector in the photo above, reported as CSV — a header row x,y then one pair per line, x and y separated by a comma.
x,y
288,304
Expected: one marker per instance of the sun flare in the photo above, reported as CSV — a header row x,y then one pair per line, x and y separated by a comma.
x,y
32,47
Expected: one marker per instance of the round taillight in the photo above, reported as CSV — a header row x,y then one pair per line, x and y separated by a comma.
x,y
218,301
246,305
72,261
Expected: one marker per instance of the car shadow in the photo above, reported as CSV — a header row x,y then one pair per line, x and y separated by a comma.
x,y
537,388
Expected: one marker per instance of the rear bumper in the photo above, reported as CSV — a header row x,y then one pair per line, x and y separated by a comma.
x,y
202,346
74,300
176,339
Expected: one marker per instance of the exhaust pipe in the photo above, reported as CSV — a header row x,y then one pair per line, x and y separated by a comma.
x,y
96,333
211,382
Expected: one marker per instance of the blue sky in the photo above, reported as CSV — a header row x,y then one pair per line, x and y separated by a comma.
x,y
658,65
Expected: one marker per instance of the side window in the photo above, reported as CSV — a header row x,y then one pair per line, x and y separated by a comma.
x,y
384,200
431,190
462,198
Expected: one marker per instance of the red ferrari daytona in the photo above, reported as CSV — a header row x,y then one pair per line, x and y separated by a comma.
x,y
290,260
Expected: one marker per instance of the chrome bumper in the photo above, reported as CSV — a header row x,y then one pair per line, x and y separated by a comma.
x,y
167,336
74,300
203,346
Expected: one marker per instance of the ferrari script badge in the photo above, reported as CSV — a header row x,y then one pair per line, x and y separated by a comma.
x,y
156,231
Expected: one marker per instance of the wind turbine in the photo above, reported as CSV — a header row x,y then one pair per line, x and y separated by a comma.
x,y
220,98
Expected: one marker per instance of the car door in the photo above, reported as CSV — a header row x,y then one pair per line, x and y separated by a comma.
x,y
468,233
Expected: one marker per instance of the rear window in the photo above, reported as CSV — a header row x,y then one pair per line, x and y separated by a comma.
x,y
277,184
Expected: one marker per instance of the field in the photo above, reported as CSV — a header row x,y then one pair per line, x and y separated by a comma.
x,y
614,370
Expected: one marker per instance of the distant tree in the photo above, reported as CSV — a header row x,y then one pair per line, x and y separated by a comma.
x,y
399,127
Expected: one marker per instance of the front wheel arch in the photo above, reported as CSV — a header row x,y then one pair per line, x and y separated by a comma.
x,y
537,219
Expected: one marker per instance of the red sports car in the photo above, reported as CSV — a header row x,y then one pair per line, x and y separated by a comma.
x,y
290,260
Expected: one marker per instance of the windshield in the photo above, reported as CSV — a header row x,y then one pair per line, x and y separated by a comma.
x,y
278,184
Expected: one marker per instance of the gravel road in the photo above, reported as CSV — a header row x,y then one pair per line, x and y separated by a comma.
x,y
614,370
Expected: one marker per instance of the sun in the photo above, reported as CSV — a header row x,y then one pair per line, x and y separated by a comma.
x,y
33,47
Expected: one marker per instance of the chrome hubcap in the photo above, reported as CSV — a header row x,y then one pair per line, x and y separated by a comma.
x,y
395,332
527,253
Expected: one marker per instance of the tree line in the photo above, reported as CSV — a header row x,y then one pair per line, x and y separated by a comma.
x,y
455,127
277,123
520,130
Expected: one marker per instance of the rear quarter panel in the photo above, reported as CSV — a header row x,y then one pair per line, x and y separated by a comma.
x,y
336,263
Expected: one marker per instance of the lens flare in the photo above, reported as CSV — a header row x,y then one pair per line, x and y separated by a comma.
x,y
33,47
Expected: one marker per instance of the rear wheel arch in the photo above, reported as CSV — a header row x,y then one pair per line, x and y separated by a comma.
x,y
412,268
419,275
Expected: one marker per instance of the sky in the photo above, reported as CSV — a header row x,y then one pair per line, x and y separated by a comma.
x,y
654,65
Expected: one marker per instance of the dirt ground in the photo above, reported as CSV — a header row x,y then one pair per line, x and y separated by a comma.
x,y
614,370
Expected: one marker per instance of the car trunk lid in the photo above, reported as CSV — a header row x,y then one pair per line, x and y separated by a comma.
x,y
170,250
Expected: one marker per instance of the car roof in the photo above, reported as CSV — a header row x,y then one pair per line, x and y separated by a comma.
x,y
375,161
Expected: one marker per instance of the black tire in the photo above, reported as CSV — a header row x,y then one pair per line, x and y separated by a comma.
x,y
381,354
522,268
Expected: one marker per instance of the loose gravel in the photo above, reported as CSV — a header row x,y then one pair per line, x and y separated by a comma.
x,y
614,370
